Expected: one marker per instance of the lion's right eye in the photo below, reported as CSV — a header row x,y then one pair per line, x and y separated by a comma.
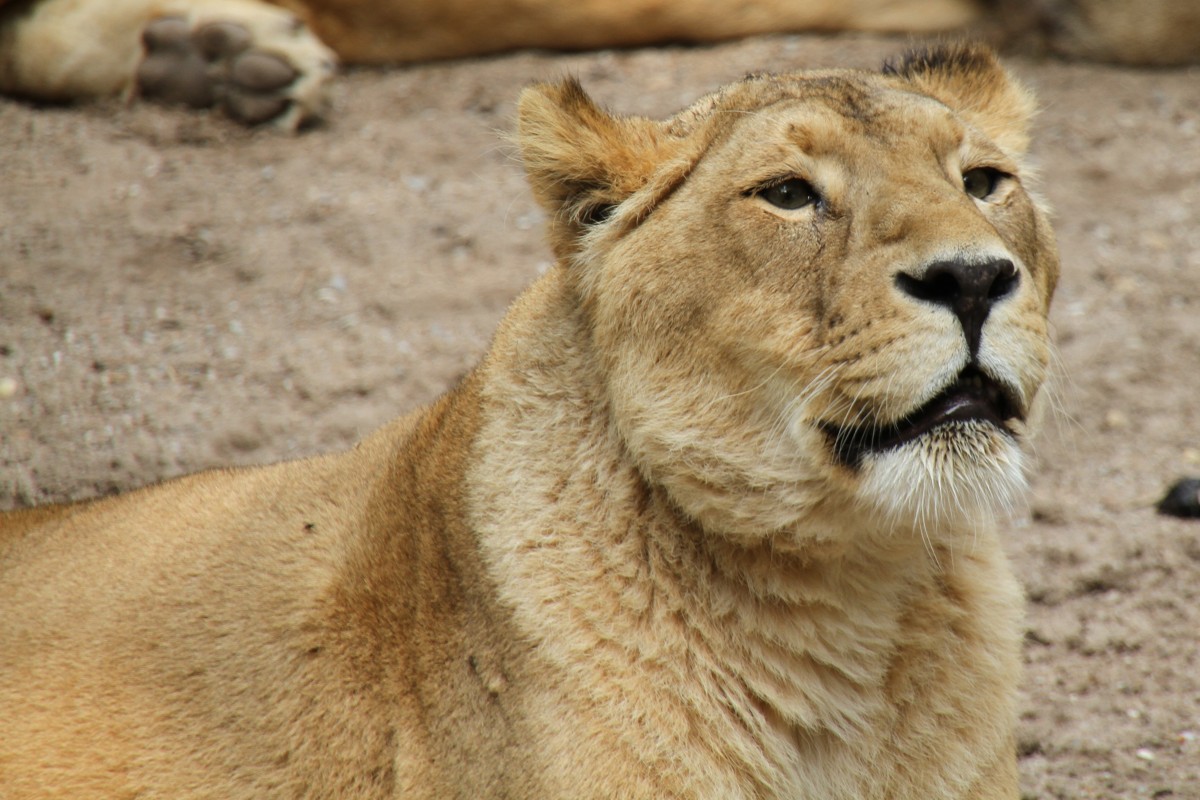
x,y
981,182
790,194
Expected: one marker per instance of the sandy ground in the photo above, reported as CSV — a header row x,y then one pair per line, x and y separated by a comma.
x,y
178,293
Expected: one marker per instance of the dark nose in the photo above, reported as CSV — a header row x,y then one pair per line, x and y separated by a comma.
x,y
968,288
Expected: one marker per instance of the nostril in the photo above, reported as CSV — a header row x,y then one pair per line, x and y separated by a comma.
x,y
941,288
1005,282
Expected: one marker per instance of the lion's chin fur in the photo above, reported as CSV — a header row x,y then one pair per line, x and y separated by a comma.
x,y
948,482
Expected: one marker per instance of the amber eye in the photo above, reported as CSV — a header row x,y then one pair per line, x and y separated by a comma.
x,y
982,181
790,194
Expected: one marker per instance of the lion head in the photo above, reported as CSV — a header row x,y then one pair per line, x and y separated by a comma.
x,y
816,299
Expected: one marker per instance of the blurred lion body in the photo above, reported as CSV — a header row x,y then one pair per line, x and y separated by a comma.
x,y
63,50
630,554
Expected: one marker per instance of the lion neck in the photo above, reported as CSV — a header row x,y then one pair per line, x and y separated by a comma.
x,y
783,643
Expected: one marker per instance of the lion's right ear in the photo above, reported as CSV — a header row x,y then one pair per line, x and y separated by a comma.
x,y
581,160
970,79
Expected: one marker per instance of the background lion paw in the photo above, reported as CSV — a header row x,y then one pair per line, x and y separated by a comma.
x,y
270,68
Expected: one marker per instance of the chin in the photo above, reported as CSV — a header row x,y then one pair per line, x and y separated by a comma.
x,y
957,478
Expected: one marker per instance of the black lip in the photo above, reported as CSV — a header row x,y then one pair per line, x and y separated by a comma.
x,y
973,397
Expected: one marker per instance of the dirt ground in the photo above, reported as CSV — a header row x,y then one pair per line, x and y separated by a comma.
x,y
178,293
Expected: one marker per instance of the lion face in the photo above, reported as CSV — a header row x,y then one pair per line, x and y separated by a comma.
x,y
816,299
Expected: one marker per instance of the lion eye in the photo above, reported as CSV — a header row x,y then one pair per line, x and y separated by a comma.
x,y
790,194
981,181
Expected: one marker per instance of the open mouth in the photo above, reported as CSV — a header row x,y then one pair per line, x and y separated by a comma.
x,y
973,397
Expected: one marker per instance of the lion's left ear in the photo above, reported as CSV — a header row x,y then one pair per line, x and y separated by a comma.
x,y
581,160
969,79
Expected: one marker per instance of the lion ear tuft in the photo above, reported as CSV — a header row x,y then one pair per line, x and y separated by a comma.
x,y
969,78
582,161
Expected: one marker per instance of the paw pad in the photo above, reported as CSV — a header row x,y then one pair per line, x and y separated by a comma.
x,y
215,64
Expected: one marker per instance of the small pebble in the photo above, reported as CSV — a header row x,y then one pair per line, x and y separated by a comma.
x,y
1182,499
1116,420
1145,754
8,387
1125,285
417,183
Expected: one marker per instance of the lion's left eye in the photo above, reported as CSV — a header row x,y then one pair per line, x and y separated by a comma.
x,y
790,194
981,181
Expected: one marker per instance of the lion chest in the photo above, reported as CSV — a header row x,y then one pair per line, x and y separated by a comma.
x,y
915,703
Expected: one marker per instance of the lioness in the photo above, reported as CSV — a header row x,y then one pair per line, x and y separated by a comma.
x,y
713,518
261,60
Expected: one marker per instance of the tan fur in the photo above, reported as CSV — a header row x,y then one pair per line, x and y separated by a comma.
x,y
374,32
620,559
78,49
